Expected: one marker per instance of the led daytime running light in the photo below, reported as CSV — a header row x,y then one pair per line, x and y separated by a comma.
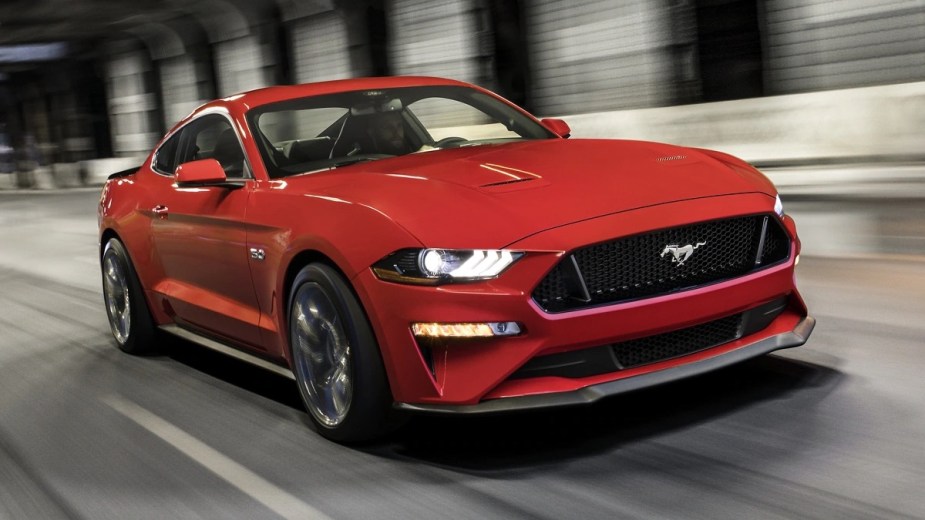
x,y
465,330
433,266
778,206
468,264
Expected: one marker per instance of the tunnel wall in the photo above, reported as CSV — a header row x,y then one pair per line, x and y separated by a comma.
x,y
842,79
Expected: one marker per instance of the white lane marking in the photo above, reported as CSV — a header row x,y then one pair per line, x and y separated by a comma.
x,y
258,488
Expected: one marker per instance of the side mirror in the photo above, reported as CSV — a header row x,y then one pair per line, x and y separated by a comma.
x,y
558,126
204,172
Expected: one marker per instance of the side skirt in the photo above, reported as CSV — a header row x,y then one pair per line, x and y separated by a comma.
x,y
211,344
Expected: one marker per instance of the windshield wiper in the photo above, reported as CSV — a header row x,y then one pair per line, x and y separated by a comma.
x,y
347,161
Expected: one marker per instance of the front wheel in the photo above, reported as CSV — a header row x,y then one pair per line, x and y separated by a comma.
x,y
129,318
336,359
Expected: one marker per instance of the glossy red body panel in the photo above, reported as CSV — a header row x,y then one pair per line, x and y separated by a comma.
x,y
190,246
558,126
471,367
205,170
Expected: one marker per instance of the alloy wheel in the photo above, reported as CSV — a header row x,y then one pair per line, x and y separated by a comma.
x,y
322,355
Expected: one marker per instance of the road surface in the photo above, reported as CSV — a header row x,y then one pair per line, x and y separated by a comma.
x,y
834,429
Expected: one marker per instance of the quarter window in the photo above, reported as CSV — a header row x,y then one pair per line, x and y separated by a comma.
x,y
165,160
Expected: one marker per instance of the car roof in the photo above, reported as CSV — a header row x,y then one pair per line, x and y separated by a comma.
x,y
245,101
248,100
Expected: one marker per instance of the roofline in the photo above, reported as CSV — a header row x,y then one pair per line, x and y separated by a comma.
x,y
245,101
267,95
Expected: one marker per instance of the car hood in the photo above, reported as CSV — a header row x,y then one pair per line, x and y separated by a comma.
x,y
493,195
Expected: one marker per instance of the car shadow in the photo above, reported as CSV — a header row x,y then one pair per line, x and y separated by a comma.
x,y
511,441
526,439
232,371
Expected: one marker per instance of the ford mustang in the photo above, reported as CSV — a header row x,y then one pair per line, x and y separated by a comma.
x,y
419,244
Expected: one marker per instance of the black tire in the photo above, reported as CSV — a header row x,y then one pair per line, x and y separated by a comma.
x,y
127,310
336,359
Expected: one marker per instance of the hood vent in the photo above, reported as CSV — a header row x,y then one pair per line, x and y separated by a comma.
x,y
671,158
505,183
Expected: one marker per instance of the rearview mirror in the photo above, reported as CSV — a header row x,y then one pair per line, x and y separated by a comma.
x,y
558,126
204,172
376,106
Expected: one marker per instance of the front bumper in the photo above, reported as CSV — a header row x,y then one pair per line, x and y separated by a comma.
x,y
590,394
480,374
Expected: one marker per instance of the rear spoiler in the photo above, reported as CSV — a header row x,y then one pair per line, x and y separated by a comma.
x,y
124,173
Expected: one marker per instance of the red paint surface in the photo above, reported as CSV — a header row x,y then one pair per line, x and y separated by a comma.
x,y
195,267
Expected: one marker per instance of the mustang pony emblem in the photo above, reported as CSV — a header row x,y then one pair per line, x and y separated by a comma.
x,y
680,254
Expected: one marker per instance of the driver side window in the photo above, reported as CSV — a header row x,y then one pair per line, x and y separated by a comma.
x,y
212,137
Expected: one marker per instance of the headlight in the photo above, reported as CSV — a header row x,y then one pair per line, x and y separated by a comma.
x,y
778,207
436,266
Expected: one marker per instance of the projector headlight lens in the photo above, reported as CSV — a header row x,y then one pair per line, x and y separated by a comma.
x,y
434,266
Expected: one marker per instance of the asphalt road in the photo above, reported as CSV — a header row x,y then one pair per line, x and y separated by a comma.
x,y
834,429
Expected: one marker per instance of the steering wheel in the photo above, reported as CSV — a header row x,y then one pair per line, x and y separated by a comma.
x,y
448,141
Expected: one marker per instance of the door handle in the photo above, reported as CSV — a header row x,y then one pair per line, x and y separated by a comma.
x,y
161,211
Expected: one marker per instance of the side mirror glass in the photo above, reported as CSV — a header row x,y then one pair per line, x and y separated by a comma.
x,y
558,126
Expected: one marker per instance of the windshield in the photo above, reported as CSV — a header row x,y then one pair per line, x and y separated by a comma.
x,y
322,132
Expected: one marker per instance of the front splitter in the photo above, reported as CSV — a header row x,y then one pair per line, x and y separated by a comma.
x,y
593,393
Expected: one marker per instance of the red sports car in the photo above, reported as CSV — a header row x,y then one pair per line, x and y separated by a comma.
x,y
421,244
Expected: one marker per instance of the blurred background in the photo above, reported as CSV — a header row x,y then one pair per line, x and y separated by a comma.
x,y
827,97
809,81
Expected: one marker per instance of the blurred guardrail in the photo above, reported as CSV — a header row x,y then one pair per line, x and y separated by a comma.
x,y
873,125
865,209
68,175
839,126
850,164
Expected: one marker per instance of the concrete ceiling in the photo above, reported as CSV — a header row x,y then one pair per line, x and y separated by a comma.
x,y
39,21
75,21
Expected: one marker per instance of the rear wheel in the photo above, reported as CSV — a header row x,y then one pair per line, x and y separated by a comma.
x,y
126,308
336,359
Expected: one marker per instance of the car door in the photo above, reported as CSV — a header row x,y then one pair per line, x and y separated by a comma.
x,y
200,238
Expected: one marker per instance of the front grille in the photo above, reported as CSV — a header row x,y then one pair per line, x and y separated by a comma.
x,y
678,343
637,352
652,349
662,262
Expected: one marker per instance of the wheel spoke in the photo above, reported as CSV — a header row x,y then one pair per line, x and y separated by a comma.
x,y
117,297
322,354
305,329
339,401
322,309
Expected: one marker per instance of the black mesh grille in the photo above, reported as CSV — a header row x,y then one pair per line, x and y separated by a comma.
x,y
678,343
617,356
662,261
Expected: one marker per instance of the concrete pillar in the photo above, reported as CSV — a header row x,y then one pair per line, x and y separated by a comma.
x,y
179,88
600,55
320,48
240,65
438,38
824,45
132,102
